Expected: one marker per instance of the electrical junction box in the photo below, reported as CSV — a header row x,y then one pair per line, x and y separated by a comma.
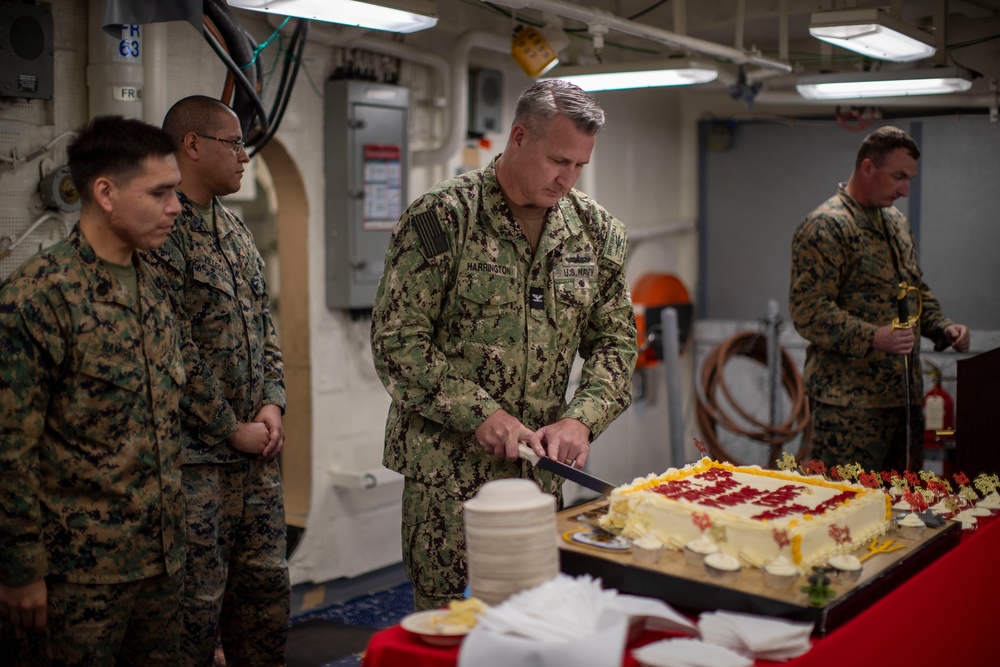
x,y
485,101
26,51
366,170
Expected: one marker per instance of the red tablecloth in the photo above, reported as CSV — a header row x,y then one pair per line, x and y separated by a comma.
x,y
943,615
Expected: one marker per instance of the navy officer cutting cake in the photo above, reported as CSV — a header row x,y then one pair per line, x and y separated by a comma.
x,y
494,281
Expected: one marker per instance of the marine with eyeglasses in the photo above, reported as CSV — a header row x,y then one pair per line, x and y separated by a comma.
x,y
236,574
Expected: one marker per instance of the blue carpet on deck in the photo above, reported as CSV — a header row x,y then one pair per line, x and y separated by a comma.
x,y
334,636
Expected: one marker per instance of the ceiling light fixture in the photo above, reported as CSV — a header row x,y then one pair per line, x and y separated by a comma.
x,y
639,74
901,83
388,15
873,33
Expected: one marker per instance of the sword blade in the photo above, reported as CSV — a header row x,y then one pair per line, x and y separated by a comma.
x,y
909,434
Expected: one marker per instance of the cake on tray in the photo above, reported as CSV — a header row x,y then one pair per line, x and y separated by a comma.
x,y
752,514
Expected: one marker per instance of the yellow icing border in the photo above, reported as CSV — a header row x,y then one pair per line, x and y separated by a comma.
x,y
797,549
707,463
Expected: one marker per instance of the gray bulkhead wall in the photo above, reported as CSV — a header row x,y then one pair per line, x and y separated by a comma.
x,y
758,181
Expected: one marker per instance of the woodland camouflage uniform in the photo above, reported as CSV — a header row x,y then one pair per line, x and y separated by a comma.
x,y
466,321
90,481
236,519
846,266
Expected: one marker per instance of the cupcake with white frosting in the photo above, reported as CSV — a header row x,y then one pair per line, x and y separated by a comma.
x,y
846,567
722,567
646,550
902,506
780,573
695,551
990,502
911,527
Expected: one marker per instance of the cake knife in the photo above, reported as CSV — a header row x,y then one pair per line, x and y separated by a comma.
x,y
563,470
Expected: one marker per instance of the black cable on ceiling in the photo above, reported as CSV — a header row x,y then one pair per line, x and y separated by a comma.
x,y
237,54
289,73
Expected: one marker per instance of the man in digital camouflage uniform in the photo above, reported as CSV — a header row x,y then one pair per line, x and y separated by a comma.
x,y
91,374
237,576
848,258
492,283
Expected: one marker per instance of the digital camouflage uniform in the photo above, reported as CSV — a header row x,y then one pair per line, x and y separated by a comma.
x,y
465,322
845,271
236,575
90,459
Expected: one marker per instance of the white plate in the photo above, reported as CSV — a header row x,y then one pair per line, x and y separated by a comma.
x,y
600,540
421,623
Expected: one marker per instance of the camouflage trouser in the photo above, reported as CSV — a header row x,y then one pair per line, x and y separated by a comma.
x,y
433,545
873,437
236,577
100,625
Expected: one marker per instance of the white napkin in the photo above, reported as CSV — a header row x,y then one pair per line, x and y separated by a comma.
x,y
602,648
564,621
756,636
688,653
654,614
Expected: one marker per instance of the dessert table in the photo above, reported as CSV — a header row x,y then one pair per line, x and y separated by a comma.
x,y
942,615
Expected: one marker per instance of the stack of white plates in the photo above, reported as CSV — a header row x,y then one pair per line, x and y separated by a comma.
x,y
510,531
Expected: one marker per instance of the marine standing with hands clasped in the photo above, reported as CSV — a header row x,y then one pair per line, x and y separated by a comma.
x,y
849,258
493,282
237,576
91,375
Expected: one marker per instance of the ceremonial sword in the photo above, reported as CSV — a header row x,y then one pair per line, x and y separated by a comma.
x,y
905,321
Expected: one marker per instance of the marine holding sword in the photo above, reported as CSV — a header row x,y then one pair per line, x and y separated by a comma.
x,y
493,281
858,296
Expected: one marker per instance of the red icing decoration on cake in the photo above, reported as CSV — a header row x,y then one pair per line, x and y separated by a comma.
x,y
724,491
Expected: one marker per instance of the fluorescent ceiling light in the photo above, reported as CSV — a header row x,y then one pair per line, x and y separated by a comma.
x,y
389,15
873,33
902,83
640,74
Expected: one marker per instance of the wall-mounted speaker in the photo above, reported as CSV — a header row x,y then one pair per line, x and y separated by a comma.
x,y
485,101
26,50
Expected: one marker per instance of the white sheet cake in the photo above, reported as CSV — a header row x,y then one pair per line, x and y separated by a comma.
x,y
751,513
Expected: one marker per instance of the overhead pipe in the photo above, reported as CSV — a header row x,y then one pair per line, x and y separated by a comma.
x,y
451,77
741,19
154,73
329,35
672,377
454,72
458,121
114,67
594,16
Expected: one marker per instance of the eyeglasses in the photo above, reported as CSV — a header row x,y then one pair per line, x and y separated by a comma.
x,y
235,144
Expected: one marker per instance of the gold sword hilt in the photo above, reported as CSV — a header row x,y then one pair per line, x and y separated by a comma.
x,y
904,320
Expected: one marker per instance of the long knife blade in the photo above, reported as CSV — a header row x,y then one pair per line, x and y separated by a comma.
x,y
563,470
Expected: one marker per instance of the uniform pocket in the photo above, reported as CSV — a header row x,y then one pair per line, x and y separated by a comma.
x,y
211,277
486,308
111,403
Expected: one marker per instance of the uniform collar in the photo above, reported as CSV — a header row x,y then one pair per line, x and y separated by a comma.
x,y
858,211
559,224
194,220
105,288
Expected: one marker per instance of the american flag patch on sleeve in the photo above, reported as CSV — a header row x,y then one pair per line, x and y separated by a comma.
x,y
432,237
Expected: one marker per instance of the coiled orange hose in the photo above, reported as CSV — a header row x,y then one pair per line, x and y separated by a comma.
x,y
709,414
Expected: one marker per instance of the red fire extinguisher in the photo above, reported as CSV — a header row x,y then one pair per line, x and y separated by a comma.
x,y
939,408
